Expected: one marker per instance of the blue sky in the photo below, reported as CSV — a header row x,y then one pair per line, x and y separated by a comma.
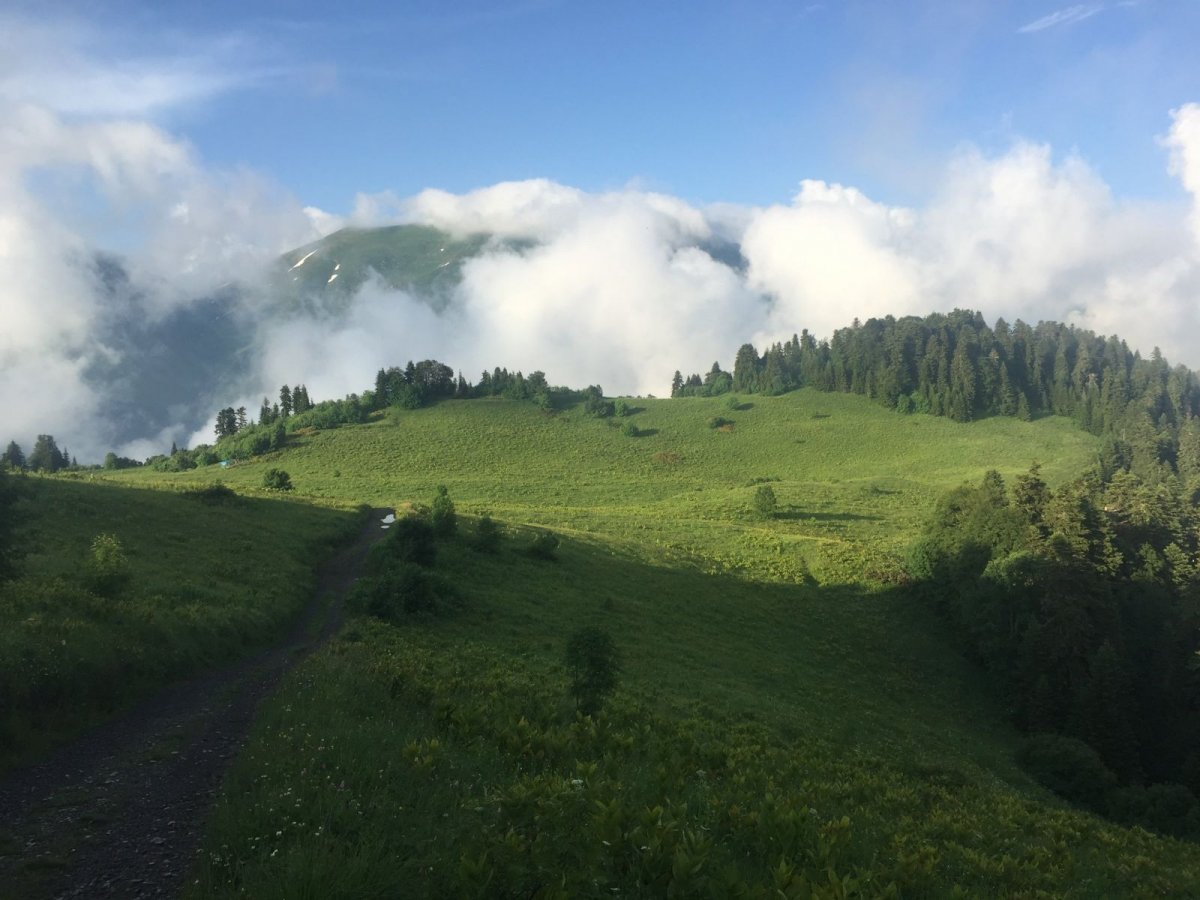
x,y
709,101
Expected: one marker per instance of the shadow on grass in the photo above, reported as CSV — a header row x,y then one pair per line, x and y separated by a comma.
x,y
800,515
685,633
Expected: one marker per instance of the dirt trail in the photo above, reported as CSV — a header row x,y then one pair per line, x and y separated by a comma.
x,y
120,812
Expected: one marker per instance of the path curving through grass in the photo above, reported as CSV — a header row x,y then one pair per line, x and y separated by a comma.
x,y
119,812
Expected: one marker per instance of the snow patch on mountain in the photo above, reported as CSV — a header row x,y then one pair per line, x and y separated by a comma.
x,y
303,260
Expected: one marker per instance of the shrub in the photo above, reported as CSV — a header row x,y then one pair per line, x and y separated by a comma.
x,y
277,480
592,662
441,514
594,403
764,502
213,494
403,589
487,534
107,570
410,540
544,546
1068,767
719,422
630,429
10,552
621,408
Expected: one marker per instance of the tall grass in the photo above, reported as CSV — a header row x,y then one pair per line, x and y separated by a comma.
x,y
210,576
764,741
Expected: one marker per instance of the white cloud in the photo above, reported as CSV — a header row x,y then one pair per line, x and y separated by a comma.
x,y
70,68
830,257
1017,236
1066,16
324,222
620,296
73,185
514,209
1183,141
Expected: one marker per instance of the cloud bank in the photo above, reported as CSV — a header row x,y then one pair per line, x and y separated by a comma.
x,y
78,176
623,287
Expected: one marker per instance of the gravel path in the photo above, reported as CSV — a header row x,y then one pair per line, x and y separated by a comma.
x,y
120,812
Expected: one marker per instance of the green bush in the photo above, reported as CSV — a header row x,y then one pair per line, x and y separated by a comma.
x,y
277,480
10,521
107,570
764,502
403,589
593,665
594,403
1070,768
630,429
487,534
441,514
719,422
410,540
1166,808
213,494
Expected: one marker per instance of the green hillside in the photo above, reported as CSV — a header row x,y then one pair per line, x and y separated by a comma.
x,y
853,481
789,719
777,676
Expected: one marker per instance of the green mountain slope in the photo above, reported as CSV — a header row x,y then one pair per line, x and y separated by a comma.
x,y
419,259
776,678
415,258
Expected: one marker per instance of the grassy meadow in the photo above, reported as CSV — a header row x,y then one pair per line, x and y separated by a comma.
x,y
789,722
853,481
